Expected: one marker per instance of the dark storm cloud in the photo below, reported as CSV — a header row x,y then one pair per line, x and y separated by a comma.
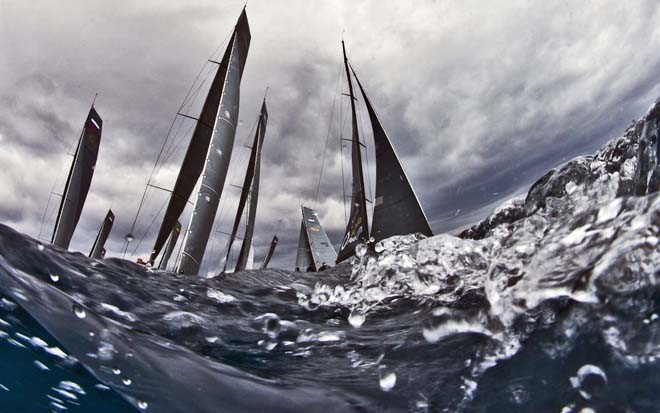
x,y
479,98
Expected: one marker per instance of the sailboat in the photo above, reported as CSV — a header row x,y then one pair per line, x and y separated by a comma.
x,y
269,255
315,251
249,190
396,210
98,249
208,155
78,180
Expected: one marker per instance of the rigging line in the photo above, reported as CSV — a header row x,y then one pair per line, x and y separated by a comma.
x,y
327,138
144,194
366,152
167,157
176,140
43,218
144,234
341,157
341,148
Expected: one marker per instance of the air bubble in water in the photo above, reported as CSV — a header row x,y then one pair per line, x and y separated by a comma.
x,y
142,404
116,372
387,380
79,311
55,277
589,380
127,381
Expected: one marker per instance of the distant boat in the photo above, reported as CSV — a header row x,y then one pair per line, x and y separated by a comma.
x,y
78,180
397,210
315,251
269,255
98,249
208,156
249,191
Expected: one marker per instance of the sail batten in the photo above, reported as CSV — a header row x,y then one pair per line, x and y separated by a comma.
x,y
357,229
78,181
218,154
397,210
98,249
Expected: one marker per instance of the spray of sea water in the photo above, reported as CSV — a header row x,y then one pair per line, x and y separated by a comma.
x,y
550,304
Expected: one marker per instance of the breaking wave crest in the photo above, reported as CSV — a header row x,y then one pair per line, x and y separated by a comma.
x,y
550,304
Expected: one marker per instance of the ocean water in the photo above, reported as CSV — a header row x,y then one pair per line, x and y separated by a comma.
x,y
552,304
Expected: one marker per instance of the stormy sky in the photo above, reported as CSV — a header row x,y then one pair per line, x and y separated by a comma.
x,y
479,98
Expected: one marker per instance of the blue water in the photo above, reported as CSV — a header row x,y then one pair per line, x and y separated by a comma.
x,y
552,304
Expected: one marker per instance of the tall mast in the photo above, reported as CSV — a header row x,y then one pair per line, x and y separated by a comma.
x,y
198,149
241,263
357,229
218,155
249,178
78,180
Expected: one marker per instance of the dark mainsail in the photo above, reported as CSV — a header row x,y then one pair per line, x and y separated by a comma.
x,y
255,154
219,151
170,246
254,193
397,210
98,249
79,180
193,162
357,229
315,251
271,250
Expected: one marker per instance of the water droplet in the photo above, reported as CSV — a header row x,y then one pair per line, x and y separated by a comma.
x,y
129,237
387,380
356,318
116,372
126,381
79,311
55,277
360,250
589,380
40,246
142,404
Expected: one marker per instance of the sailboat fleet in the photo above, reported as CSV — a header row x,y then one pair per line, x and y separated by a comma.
x,y
396,208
